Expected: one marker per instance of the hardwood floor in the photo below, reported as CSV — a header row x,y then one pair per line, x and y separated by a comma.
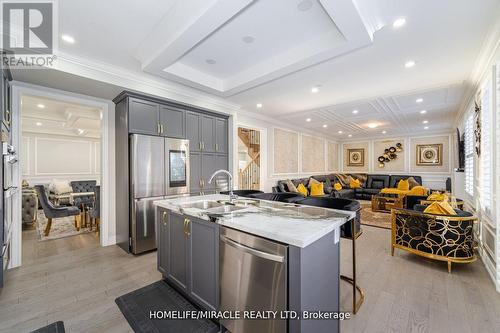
x,y
76,281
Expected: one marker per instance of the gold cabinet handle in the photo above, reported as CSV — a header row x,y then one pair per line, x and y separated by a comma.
x,y
202,145
199,145
187,233
216,147
158,128
161,128
164,218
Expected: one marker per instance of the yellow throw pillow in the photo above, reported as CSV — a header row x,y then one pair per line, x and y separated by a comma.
x,y
440,208
418,190
302,189
404,185
355,183
317,189
337,186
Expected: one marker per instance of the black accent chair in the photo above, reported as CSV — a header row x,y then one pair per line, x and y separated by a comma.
x,y
53,212
242,193
84,202
289,197
350,230
95,210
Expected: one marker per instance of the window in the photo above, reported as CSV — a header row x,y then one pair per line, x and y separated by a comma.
x,y
486,150
469,155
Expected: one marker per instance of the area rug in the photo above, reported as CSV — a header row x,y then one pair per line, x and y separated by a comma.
x,y
159,297
61,227
57,327
374,219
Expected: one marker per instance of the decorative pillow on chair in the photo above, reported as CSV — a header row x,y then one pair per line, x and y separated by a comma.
x,y
418,190
337,186
413,182
302,189
60,187
291,186
404,185
354,183
440,208
317,189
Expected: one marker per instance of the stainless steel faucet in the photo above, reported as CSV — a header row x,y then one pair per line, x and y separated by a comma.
x,y
232,196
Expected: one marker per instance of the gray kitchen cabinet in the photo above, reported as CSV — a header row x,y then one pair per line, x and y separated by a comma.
x,y
208,133
204,262
143,117
208,167
162,239
177,263
221,161
221,135
195,172
172,122
193,131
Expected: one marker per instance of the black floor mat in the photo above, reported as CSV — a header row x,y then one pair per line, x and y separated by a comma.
x,y
57,327
159,296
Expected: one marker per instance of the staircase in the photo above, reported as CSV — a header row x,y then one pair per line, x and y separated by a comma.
x,y
249,176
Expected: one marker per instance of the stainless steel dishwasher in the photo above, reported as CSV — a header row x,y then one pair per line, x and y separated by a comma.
x,y
253,277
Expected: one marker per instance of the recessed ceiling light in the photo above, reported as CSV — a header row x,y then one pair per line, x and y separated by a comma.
x,y
423,112
419,100
399,22
325,126
308,120
38,123
304,5
426,127
248,39
80,131
259,105
315,90
68,39
425,122
211,61
383,132
355,111
41,106
350,135
340,132
409,64
372,125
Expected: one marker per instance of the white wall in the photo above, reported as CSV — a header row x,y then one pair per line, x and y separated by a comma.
x,y
45,157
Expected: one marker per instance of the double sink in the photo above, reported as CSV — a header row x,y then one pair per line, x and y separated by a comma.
x,y
219,207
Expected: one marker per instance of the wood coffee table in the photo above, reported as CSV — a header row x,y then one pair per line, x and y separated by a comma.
x,y
382,203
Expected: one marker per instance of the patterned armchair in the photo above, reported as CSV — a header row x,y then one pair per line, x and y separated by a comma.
x,y
441,237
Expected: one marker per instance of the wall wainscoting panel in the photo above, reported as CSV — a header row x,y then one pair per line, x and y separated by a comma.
x,y
395,165
333,156
313,154
45,157
442,141
286,151
352,147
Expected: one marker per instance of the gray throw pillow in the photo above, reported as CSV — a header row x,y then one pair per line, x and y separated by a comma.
x,y
291,186
412,182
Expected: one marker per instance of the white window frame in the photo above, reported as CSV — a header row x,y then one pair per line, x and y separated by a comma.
x,y
469,154
486,159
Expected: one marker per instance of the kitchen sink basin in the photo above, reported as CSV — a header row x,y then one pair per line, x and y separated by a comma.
x,y
225,209
203,205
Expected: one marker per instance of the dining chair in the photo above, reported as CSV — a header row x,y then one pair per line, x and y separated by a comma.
x,y
51,211
95,210
84,201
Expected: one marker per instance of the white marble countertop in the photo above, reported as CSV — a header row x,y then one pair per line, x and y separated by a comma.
x,y
287,223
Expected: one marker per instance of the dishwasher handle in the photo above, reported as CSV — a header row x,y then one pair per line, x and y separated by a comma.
x,y
252,251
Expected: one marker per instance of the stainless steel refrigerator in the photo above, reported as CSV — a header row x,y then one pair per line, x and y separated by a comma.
x,y
159,167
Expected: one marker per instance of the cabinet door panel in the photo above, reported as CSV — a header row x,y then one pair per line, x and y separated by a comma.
x,y
177,252
222,180
193,130
221,133
143,117
162,240
209,166
173,122
208,133
204,263
195,171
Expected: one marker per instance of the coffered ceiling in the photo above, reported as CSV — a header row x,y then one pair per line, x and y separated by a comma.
x,y
43,115
273,52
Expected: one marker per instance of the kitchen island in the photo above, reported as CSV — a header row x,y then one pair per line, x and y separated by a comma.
x,y
254,255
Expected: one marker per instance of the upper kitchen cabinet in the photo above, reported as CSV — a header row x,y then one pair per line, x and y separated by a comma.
x,y
143,117
172,122
208,133
221,135
193,130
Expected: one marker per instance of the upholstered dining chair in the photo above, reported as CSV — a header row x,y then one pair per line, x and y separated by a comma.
x,y
95,209
51,211
85,201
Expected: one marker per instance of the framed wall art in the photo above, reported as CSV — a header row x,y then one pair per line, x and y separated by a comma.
x,y
356,157
430,154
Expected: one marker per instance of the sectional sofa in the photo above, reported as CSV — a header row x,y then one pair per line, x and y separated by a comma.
x,y
370,184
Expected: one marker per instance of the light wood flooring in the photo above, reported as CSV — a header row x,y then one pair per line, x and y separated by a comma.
x,y
76,281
